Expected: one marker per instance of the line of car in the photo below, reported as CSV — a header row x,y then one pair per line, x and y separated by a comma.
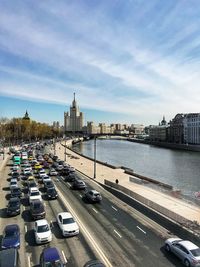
x,y
31,177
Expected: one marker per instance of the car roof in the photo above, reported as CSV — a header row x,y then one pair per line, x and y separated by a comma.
x,y
51,254
41,222
188,244
11,227
13,199
8,257
33,189
94,191
65,215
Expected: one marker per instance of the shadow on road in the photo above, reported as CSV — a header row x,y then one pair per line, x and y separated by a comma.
x,y
3,213
171,257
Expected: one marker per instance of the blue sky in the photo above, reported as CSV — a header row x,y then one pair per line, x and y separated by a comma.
x,y
128,61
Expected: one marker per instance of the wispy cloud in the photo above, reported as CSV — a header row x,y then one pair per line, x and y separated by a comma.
x,y
138,57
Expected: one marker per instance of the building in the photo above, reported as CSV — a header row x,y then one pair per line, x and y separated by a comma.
x,y
192,128
176,129
159,132
56,124
26,117
137,129
92,128
73,120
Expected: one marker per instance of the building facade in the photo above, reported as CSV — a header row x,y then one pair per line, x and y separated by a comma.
x,y
73,120
176,129
159,132
192,128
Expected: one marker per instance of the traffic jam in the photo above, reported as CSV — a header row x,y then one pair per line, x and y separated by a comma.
x,y
31,183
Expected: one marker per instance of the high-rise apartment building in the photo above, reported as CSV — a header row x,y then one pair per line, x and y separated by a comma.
x,y
73,120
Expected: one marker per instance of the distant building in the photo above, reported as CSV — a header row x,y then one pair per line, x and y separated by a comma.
x,y
56,124
73,121
159,132
26,117
176,129
136,129
191,132
92,128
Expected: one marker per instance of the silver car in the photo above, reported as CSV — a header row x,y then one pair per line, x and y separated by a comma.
x,y
187,251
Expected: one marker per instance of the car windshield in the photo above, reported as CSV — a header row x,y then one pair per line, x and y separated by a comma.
x,y
51,190
15,190
37,205
43,228
54,264
195,252
13,203
68,221
10,233
35,194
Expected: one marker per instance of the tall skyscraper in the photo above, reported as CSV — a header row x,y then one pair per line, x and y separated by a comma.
x,y
73,121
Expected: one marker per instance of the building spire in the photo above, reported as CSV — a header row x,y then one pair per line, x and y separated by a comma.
x,y
74,101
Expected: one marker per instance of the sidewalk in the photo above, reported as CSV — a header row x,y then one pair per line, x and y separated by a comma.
x,y
184,209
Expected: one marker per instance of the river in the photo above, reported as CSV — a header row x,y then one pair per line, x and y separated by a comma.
x,y
178,168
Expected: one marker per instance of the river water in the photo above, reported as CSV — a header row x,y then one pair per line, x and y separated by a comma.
x,y
178,168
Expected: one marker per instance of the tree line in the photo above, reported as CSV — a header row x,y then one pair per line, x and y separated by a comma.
x,y
16,130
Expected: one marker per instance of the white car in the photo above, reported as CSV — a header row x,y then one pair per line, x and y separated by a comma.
x,y
27,170
67,224
45,179
53,172
34,194
185,250
42,231
13,184
41,173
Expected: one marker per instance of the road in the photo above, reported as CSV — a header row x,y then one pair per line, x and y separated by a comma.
x,y
111,231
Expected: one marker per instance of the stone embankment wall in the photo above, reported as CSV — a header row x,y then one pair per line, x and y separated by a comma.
x,y
163,210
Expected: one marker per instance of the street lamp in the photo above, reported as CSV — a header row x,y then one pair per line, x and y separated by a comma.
x,y
95,151
65,149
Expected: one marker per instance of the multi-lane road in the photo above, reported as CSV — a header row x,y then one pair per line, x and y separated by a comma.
x,y
111,231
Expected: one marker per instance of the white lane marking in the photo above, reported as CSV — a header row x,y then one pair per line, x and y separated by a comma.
x,y
141,229
95,210
68,183
29,261
86,232
25,227
65,260
117,233
114,208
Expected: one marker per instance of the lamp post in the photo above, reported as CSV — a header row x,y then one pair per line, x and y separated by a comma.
x,y
54,145
65,158
95,151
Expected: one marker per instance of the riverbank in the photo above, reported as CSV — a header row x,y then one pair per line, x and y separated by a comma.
x,y
185,213
186,147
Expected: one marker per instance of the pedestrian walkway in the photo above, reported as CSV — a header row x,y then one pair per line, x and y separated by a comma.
x,y
187,210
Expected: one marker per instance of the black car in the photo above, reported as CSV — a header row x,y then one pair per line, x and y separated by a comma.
x,y
51,193
13,207
37,210
16,192
9,258
71,177
78,184
48,184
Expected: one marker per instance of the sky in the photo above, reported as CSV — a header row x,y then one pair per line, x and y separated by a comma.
x,y
128,61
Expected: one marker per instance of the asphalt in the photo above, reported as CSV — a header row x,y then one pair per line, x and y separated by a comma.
x,y
188,210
